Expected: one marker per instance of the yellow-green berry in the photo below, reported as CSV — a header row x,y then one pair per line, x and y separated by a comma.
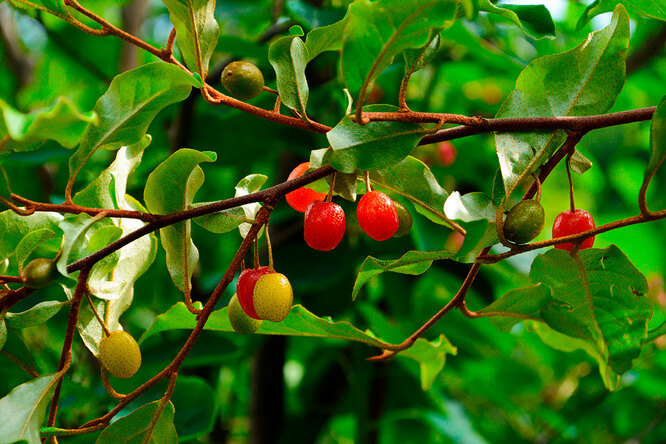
x,y
240,321
524,221
120,354
404,219
273,297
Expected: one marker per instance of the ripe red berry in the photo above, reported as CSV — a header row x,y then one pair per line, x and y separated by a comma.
x,y
446,153
324,226
377,215
301,198
245,288
568,222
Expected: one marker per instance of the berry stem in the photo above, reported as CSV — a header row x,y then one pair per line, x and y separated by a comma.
x,y
270,249
537,182
329,197
256,253
107,332
571,191
107,384
368,187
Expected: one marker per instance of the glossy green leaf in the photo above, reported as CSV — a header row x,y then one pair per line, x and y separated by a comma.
x,y
289,57
374,146
412,262
30,242
196,31
413,180
5,190
657,139
170,188
475,212
378,31
300,322
194,400
416,59
249,185
134,427
326,38
222,221
23,410
14,228
61,122
55,7
3,331
534,20
605,307
36,315
129,105
595,72
651,8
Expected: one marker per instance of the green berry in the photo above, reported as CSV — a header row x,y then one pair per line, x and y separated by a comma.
x,y
243,80
240,321
404,219
39,273
273,297
524,221
120,354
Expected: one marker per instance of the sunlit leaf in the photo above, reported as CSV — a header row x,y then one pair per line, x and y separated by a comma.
x,y
289,56
134,427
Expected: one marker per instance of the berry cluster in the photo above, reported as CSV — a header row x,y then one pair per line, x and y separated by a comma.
x,y
261,294
324,227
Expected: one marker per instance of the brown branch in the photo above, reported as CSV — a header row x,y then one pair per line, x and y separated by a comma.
x,y
262,217
573,238
272,194
77,209
160,408
10,280
66,355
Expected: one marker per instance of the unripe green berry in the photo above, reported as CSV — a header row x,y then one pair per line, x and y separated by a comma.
x,y
120,354
39,273
243,80
524,221
273,297
240,321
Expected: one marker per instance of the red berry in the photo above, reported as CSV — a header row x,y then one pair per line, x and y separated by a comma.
x,y
447,153
245,288
325,225
377,215
301,198
568,222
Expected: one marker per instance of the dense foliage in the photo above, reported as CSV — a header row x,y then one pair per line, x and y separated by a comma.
x,y
116,133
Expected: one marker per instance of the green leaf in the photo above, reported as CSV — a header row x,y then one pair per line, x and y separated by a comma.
x,y
5,191
289,57
326,38
194,400
301,322
36,315
378,31
475,212
534,20
30,242
61,122
416,59
222,221
14,228
248,185
595,72
55,7
129,105
75,230
196,31
23,409
373,146
413,180
651,8
134,427
412,262
170,188
579,163
3,331
606,306
657,140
